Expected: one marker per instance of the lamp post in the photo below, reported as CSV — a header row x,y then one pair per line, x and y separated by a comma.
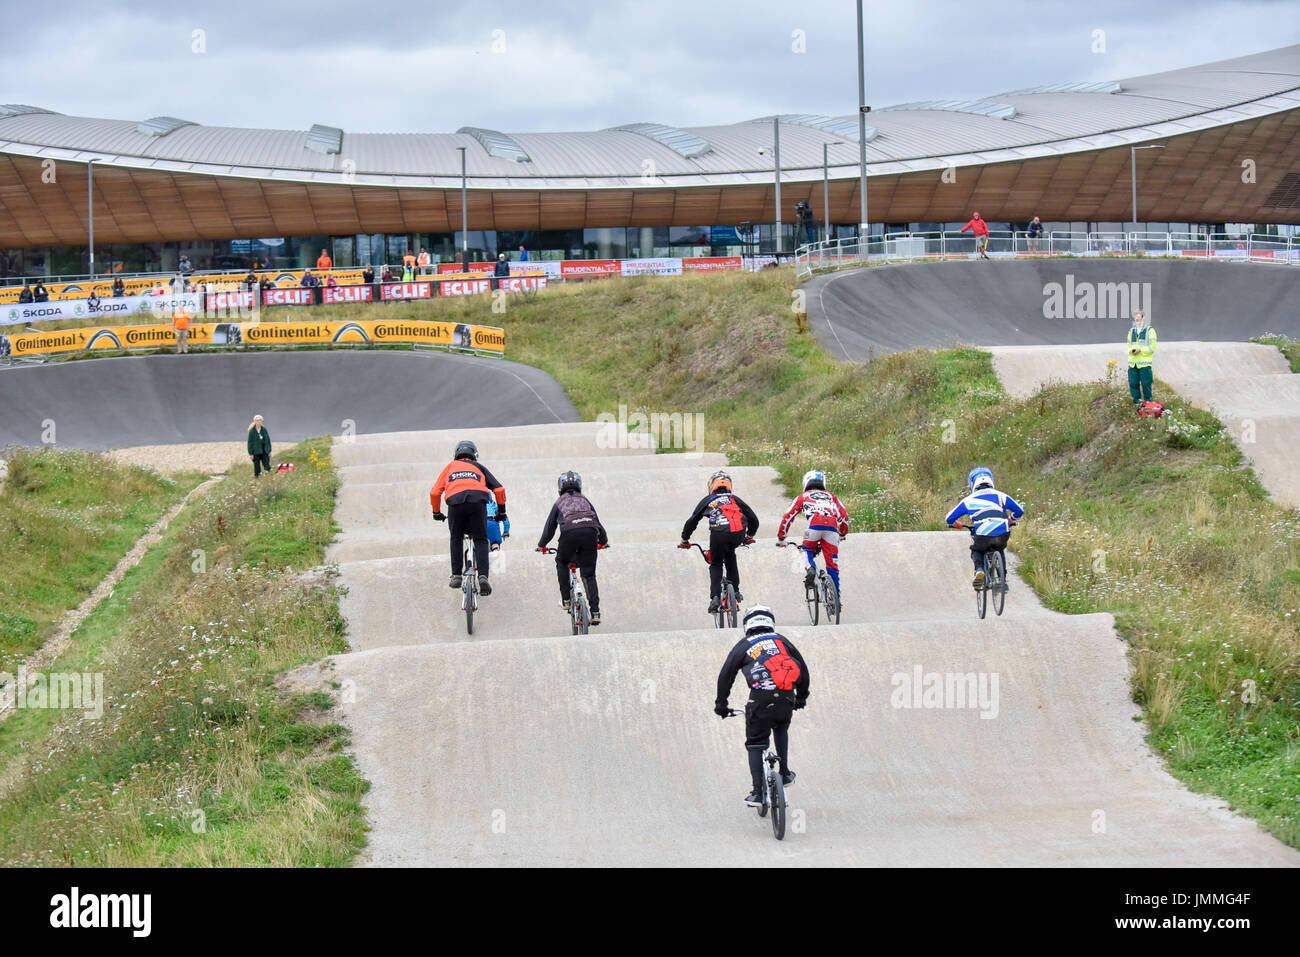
x,y
826,192
464,215
90,211
1133,177
862,132
776,162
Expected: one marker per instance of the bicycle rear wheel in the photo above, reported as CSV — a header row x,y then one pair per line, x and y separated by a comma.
x,y
998,581
469,601
776,788
982,593
830,599
729,605
581,616
812,601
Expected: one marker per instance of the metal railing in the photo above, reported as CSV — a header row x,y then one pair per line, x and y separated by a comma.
x,y
909,247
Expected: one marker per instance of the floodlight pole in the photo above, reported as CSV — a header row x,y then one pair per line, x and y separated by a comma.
x,y
90,211
862,133
776,155
464,215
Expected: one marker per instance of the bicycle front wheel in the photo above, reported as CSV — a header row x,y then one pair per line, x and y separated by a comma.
x,y
998,581
776,788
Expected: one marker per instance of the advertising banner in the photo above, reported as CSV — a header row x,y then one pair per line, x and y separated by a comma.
x,y
287,297
139,307
370,331
651,267
589,267
399,291
470,287
712,264
333,294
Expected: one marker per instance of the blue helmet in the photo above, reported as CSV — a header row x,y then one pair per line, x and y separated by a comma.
x,y
980,477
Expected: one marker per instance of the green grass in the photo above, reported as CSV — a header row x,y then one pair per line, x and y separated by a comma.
x,y
200,758
1287,346
66,519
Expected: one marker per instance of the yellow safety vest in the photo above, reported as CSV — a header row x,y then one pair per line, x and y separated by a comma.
x,y
1145,341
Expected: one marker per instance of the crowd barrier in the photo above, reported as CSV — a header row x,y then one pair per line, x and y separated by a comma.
x,y
463,337
553,270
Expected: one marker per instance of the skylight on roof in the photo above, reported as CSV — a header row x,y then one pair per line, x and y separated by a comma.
x,y
161,125
1100,86
835,125
1001,111
496,143
679,140
19,109
325,139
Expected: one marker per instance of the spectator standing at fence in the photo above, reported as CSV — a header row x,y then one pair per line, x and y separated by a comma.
x,y
981,233
119,288
259,447
368,275
408,266
26,294
387,274
92,304
184,265
1035,233
181,326
523,254
309,281
323,262
40,293
502,268
1141,353
423,261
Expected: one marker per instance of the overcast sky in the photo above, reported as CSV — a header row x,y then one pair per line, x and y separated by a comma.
x,y
557,65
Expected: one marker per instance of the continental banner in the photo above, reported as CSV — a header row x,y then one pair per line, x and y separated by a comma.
x,y
450,335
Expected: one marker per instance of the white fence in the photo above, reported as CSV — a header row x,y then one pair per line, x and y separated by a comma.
x,y
1003,244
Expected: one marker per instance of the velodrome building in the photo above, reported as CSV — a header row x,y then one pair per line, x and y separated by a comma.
x,y
226,197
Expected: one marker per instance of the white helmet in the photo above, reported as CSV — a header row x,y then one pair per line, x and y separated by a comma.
x,y
759,618
814,479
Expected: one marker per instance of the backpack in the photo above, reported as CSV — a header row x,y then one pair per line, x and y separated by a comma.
x,y
1151,409
575,512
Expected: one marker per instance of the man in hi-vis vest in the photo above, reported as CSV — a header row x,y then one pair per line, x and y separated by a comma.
x,y
1141,350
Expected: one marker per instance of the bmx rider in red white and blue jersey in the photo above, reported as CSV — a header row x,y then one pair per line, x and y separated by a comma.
x,y
828,522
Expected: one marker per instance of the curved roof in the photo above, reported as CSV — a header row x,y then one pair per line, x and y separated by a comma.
x,y
1052,120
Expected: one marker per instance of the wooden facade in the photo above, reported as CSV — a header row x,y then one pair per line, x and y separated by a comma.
x,y
1197,177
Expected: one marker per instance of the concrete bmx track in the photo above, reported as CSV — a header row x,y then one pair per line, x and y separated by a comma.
x,y
203,397
1203,313
525,745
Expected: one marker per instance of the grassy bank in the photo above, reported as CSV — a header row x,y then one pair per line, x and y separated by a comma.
x,y
1157,522
66,519
198,758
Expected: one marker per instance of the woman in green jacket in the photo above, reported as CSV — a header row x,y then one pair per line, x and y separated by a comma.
x,y
259,447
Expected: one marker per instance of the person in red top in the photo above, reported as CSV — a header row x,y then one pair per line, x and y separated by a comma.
x,y
324,261
981,232
467,487
828,522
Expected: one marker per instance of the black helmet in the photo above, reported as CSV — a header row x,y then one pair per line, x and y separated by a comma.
x,y
465,449
569,482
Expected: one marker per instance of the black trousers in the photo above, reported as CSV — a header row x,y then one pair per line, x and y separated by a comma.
x,y
578,545
261,463
722,546
468,518
979,544
764,716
